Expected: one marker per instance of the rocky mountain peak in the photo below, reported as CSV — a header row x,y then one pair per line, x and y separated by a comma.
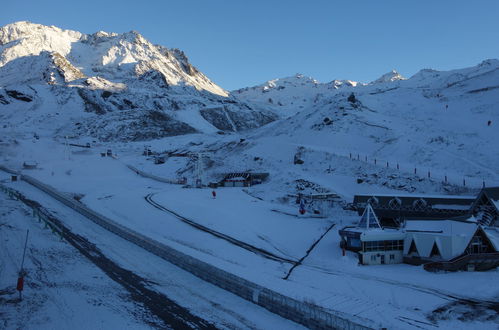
x,y
129,88
112,56
389,77
24,29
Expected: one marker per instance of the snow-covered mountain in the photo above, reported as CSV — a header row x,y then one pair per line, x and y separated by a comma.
x,y
389,77
438,121
121,87
340,138
111,86
286,96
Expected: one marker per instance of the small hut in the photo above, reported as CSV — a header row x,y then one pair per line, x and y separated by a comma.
x,y
243,179
29,165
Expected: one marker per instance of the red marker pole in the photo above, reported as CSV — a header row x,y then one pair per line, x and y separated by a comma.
x,y
20,286
214,194
22,272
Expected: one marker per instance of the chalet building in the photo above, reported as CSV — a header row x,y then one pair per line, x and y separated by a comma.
x,y
486,207
392,210
450,245
244,179
440,244
375,245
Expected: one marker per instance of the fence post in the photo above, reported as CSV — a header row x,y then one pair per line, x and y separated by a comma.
x,y
387,165
464,182
445,178
415,170
429,176
350,155
358,157
398,168
483,184
374,161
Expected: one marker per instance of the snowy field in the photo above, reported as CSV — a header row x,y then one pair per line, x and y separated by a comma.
x,y
63,289
396,296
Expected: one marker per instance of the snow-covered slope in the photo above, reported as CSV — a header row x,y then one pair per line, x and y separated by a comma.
x,y
121,87
109,55
442,122
287,96
340,137
140,90
389,77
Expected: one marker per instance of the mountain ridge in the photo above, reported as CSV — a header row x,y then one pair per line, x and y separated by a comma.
x,y
120,76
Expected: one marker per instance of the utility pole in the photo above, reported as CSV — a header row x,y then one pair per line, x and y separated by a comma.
x,y
67,150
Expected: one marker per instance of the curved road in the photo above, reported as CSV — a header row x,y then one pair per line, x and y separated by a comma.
x,y
259,251
170,313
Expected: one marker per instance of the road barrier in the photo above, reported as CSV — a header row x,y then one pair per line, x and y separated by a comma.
x,y
303,312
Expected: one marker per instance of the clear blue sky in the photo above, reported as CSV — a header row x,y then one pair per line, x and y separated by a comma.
x,y
243,43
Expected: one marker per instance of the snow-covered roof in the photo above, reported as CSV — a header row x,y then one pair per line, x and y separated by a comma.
x,y
493,235
451,237
450,207
236,178
446,227
420,196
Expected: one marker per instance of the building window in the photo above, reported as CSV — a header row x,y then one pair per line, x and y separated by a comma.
x,y
420,205
435,252
413,251
395,203
354,242
392,257
373,201
478,245
373,258
392,245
